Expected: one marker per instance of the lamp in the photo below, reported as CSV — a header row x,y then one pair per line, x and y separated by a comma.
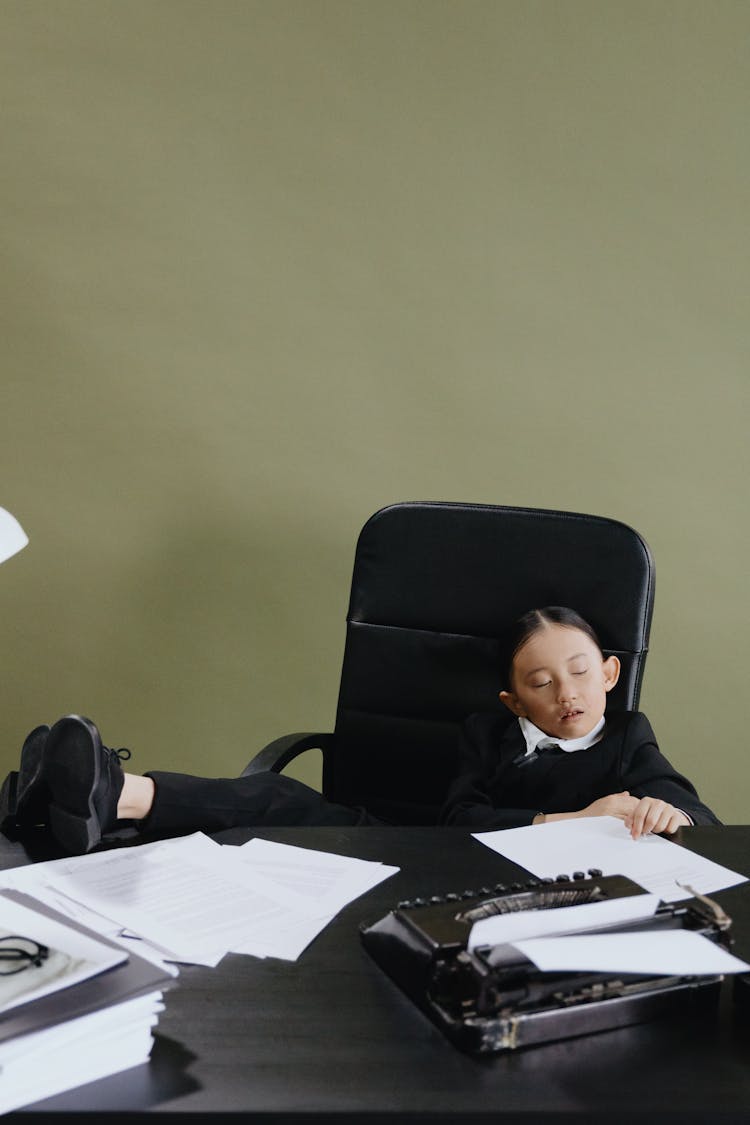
x,y
13,538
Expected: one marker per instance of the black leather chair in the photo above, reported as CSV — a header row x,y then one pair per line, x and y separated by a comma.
x,y
434,586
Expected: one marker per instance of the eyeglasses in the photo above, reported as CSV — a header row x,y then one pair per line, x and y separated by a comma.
x,y
18,953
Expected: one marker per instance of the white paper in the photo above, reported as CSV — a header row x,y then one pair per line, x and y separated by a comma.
x,y
195,903
59,1058
288,944
603,842
327,880
32,879
191,899
502,928
668,953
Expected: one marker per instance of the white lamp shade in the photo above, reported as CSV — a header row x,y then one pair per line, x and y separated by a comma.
x,y
13,538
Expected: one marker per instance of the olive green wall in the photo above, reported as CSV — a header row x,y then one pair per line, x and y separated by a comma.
x,y
269,265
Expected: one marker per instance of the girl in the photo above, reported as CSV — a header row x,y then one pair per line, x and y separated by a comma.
x,y
560,760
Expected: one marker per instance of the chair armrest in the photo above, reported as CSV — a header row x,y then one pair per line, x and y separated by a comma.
x,y
284,750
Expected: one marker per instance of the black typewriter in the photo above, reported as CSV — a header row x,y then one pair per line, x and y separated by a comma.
x,y
493,999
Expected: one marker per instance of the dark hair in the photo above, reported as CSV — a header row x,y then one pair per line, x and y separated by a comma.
x,y
533,622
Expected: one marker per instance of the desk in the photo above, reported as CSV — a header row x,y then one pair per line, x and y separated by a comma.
x,y
331,1034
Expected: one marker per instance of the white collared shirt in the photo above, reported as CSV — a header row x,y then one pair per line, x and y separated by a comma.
x,y
536,739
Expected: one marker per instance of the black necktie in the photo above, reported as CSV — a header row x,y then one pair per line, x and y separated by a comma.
x,y
525,759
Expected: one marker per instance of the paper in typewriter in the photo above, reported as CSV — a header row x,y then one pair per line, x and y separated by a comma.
x,y
522,924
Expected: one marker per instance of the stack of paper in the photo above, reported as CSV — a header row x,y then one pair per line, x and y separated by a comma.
x,y
73,1052
74,1011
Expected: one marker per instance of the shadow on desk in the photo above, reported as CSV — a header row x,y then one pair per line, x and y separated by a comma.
x,y
142,1087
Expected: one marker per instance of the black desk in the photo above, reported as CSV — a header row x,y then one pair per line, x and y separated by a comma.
x,y
332,1035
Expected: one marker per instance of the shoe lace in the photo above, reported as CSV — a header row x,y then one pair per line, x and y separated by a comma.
x,y
122,755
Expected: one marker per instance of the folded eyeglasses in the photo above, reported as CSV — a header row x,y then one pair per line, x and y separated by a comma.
x,y
18,953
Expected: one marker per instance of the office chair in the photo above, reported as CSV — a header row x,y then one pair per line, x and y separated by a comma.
x,y
434,586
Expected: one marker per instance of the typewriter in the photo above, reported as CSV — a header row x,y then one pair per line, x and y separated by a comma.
x,y
492,999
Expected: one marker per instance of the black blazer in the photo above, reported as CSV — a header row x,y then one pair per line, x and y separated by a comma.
x,y
494,790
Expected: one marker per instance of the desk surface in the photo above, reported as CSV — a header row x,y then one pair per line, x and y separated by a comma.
x,y
331,1033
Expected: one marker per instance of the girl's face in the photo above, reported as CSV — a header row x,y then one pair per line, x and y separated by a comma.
x,y
560,682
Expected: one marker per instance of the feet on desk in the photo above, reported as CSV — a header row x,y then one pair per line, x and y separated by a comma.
x,y
84,780
67,780
23,799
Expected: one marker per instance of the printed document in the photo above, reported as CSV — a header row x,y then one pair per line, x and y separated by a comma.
x,y
192,900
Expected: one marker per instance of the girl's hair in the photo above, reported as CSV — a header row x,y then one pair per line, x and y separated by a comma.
x,y
534,622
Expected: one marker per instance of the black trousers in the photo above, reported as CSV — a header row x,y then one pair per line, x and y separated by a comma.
x,y
184,803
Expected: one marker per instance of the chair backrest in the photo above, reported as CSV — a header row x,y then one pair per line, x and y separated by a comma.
x,y
434,586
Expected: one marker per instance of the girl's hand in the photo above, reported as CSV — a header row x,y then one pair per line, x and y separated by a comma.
x,y
640,815
621,805
652,815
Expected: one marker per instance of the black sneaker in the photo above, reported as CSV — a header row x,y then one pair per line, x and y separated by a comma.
x,y
23,798
84,780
